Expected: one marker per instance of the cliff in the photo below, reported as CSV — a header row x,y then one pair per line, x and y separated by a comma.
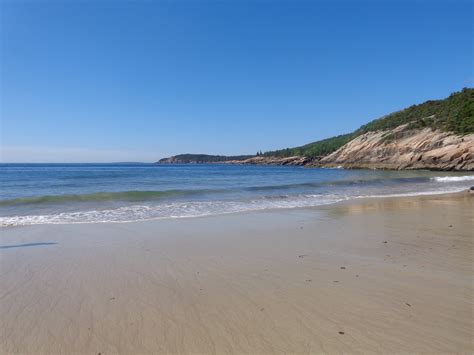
x,y
403,148
436,135
454,114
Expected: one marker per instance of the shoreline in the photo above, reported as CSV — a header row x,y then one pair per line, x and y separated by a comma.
x,y
376,275
355,199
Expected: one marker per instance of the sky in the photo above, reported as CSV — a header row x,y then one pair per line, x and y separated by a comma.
x,y
110,81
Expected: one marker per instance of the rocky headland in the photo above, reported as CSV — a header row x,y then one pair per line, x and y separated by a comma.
x,y
434,135
420,149
402,149
397,149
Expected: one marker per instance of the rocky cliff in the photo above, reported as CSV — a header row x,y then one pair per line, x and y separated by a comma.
x,y
403,148
436,135
398,149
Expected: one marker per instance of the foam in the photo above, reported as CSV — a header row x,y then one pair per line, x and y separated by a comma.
x,y
169,210
453,178
420,193
190,209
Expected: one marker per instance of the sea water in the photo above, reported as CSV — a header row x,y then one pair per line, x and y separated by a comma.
x,y
87,193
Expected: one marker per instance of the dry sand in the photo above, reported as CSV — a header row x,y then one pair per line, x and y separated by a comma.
x,y
382,275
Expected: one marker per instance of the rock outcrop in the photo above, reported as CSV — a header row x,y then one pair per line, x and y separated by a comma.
x,y
401,149
396,149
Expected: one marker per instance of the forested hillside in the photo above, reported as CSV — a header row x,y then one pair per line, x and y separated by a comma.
x,y
453,114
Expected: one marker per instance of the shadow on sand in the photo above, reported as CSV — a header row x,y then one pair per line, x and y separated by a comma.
x,y
26,245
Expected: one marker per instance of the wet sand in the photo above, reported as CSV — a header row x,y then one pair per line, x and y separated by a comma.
x,y
381,275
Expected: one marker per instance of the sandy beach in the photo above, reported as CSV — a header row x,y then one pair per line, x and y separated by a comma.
x,y
369,276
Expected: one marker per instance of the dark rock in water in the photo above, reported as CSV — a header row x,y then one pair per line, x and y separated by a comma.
x,y
471,188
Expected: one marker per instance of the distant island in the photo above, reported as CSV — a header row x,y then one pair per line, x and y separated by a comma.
x,y
436,135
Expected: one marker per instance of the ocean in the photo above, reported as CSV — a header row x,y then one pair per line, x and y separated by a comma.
x,y
92,193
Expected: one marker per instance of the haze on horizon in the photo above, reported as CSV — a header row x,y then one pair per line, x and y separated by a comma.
x,y
101,81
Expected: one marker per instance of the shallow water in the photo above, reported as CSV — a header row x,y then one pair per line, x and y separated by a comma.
x,y
81,193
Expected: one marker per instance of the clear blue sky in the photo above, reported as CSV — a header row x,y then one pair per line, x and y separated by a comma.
x,y
104,80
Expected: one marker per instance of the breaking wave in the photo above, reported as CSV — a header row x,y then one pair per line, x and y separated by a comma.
x,y
171,210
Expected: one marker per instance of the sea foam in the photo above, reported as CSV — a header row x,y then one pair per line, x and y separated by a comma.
x,y
453,178
136,213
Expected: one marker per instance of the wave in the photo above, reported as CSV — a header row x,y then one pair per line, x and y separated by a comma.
x,y
137,213
340,183
153,195
137,205
453,178
132,196
419,193
190,209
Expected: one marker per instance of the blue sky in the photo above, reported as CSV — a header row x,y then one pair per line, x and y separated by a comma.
x,y
94,81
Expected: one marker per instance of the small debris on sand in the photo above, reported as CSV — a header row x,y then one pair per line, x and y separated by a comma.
x,y
342,333
385,242
302,256
409,305
308,280
343,267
